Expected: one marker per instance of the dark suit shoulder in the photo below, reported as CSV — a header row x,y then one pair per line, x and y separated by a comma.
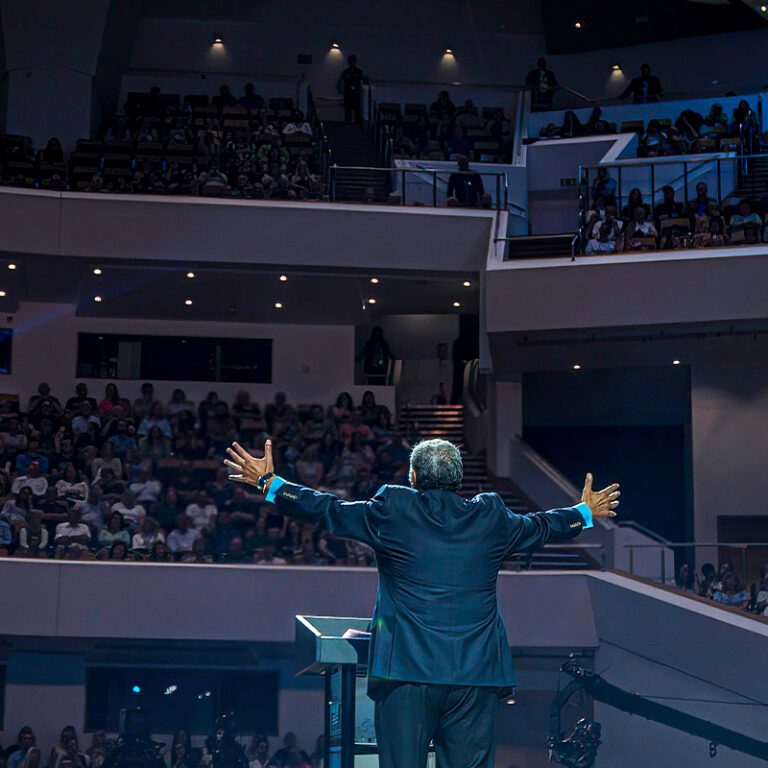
x,y
390,490
488,499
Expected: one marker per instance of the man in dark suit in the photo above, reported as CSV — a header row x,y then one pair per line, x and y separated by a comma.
x,y
439,657
644,89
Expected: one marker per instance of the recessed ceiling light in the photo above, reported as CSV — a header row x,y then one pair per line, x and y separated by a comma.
x,y
763,8
278,305
335,46
283,278
449,51
371,300
11,266
375,280
191,275
675,362
2,293
616,68
576,367
511,701
97,299
218,41
188,302
466,283
456,303
577,25
96,271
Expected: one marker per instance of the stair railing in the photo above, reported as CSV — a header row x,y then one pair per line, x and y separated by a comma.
x,y
323,147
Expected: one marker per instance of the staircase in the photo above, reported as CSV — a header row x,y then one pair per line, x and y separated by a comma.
x,y
351,146
754,184
446,422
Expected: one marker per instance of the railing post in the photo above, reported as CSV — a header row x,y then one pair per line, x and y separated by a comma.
x,y
744,566
434,189
618,202
719,185
663,565
498,192
685,182
653,189
332,185
402,184
631,559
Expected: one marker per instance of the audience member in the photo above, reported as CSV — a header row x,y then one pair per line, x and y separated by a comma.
x,y
543,83
645,88
350,87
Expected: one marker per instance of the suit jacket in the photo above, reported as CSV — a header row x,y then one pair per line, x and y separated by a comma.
x,y
436,619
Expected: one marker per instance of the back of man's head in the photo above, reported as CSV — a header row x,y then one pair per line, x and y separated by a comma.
x,y
436,464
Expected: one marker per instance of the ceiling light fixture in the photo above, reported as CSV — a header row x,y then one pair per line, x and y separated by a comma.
x,y
577,25
466,283
371,300
375,280
11,266
278,305
188,302
2,294
449,51
335,46
191,275
576,367
96,271
456,303
616,68
283,278
675,362
218,41
97,299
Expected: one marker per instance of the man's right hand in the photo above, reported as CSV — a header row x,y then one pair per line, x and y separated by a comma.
x,y
602,503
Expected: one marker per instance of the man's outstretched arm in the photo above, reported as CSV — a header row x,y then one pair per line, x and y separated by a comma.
x,y
529,532
348,519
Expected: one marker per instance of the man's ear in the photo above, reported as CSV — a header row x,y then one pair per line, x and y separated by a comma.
x,y
412,478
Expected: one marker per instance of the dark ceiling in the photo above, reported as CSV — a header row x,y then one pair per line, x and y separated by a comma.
x,y
233,293
616,24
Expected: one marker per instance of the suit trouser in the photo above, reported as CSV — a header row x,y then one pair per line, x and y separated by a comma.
x,y
461,721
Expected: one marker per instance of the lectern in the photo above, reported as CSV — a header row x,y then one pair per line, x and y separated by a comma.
x,y
337,648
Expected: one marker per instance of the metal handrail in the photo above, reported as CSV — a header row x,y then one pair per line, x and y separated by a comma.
x,y
744,547
501,185
528,556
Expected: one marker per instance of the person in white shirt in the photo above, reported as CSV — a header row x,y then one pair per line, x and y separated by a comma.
x,y
81,423
34,481
133,513
146,488
147,535
72,485
297,124
202,512
74,532
106,460
182,538
17,510
34,526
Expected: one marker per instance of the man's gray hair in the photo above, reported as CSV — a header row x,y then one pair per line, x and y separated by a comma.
x,y
437,464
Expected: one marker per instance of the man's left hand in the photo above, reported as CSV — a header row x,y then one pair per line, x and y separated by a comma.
x,y
246,468
602,503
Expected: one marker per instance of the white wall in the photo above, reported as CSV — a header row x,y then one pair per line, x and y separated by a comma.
x,y
729,405
310,363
